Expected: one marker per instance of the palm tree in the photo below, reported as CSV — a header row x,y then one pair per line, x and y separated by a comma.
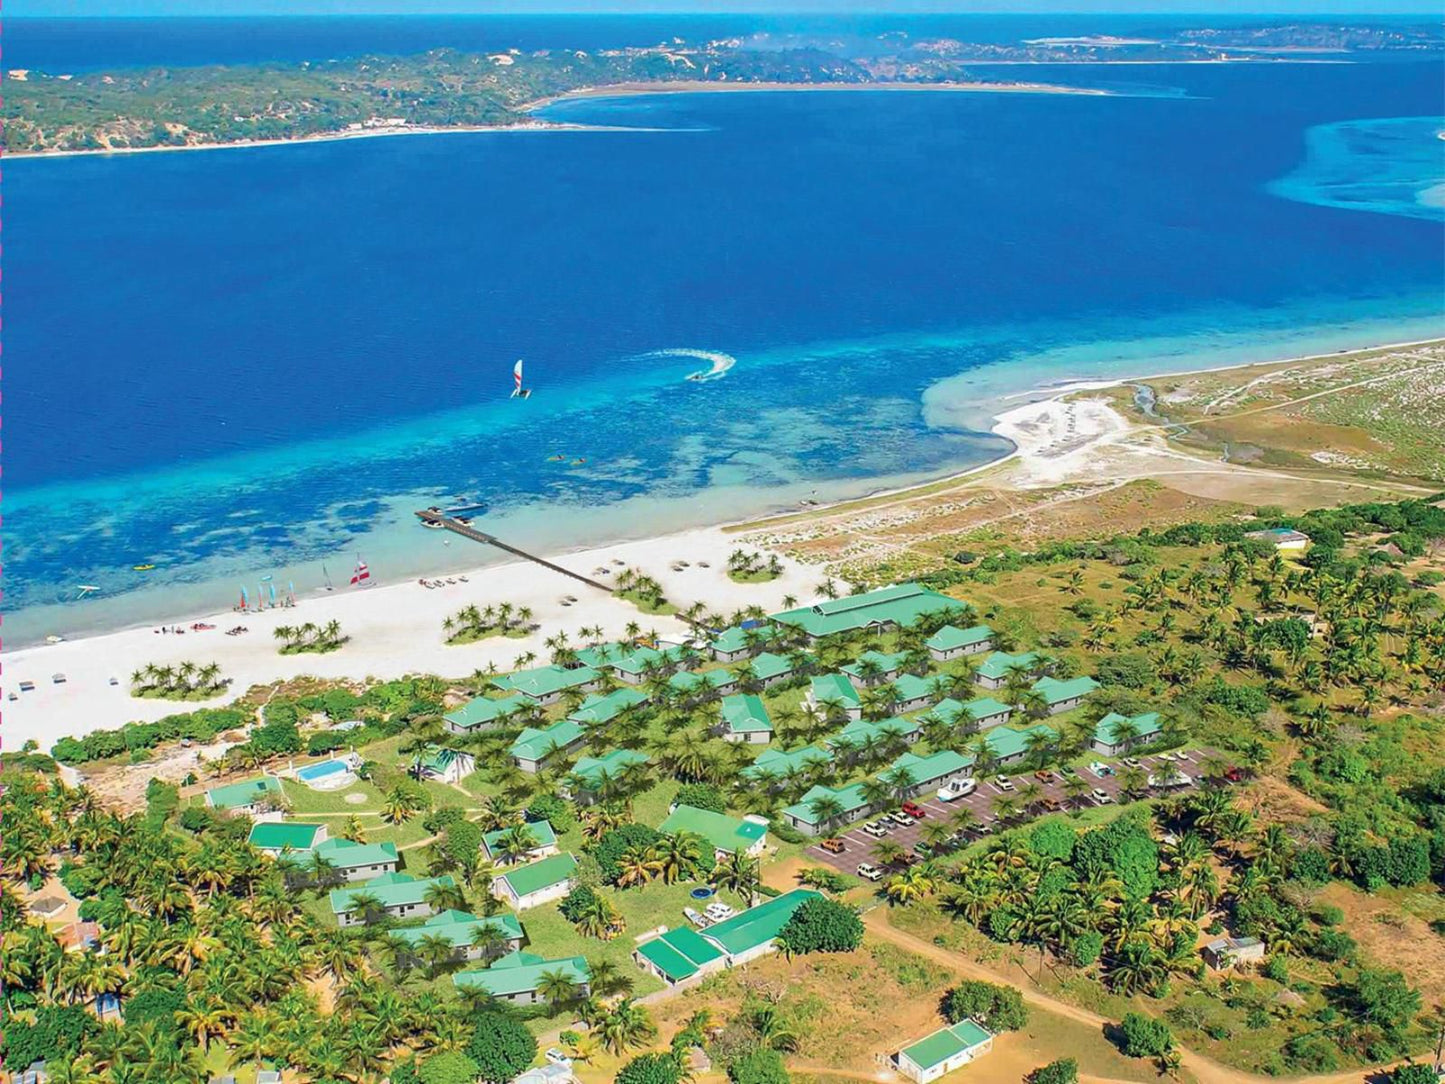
x,y
557,987
739,873
910,885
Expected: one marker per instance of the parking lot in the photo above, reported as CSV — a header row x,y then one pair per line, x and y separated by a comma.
x,y
859,846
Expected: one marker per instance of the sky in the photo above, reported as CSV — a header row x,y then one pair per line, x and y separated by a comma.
x,y
22,8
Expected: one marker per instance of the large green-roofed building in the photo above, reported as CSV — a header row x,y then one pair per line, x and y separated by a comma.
x,y
678,955
273,837
727,835
683,953
888,607
484,713
546,684
519,976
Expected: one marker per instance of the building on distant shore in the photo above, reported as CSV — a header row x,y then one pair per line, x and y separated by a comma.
x,y
1283,538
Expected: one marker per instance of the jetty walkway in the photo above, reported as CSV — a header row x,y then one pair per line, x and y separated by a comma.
x,y
426,515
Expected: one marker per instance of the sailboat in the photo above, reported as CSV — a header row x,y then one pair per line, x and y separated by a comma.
x,y
361,575
327,575
519,392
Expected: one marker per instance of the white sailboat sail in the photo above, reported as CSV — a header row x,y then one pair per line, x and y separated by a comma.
x,y
517,378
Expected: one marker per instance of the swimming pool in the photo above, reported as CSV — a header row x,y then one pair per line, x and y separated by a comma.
x,y
313,772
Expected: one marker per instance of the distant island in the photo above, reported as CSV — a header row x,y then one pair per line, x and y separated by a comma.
x,y
446,89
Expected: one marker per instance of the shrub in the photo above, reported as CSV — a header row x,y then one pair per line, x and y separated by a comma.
x,y
56,1035
1277,968
500,1046
1334,945
998,1008
702,796
760,1066
1053,839
1414,1074
651,1069
157,1007
1063,1071
548,807
822,925
576,902
1085,948
449,1068
1142,1036
617,842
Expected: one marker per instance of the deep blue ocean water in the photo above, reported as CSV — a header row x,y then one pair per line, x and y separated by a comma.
x,y
243,361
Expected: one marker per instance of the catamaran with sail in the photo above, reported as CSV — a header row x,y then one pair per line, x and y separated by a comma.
x,y
519,392
360,575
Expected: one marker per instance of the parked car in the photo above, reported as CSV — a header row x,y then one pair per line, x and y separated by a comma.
x,y
1181,756
718,911
1067,771
1044,776
869,872
923,850
876,830
557,1057
1101,797
1051,805
1133,762
833,846
1003,782
901,818
1172,777
957,788
1236,775
914,810
1098,767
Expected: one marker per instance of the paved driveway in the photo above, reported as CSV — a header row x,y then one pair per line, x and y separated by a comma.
x,y
859,846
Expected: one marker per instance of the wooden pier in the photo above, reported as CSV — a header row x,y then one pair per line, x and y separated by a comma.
x,y
438,519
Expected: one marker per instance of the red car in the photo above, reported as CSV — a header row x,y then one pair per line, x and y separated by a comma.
x,y
917,812
1235,775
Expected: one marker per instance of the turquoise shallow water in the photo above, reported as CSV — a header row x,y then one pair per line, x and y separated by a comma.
x,y
251,362
1394,165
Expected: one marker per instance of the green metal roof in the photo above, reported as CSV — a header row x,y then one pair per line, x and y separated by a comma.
x,y
484,710
1145,725
925,770
541,832
849,797
541,874
774,763
945,1043
901,604
1056,691
647,658
834,688
280,835
1006,742
951,711
537,745
1000,664
460,927
234,795
544,681
679,953
604,707
348,854
757,925
736,638
745,714
951,637
723,832
520,973
887,663
392,889
603,654
913,687
859,733
766,666
690,681
591,769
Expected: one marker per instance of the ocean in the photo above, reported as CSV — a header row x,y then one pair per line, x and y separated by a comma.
x,y
250,362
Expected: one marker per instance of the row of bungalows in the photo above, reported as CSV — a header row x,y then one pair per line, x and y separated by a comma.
x,y
471,937
969,715
525,842
520,977
397,895
537,882
887,608
545,685
694,686
683,953
486,713
726,835
996,670
534,745
744,718
875,667
952,642
590,775
773,766
740,641
912,775
1116,734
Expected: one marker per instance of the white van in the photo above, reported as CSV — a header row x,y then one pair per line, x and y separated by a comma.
x,y
957,788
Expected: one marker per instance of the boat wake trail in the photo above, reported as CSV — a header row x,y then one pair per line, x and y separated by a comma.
x,y
720,363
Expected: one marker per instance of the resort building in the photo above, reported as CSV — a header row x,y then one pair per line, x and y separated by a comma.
x,y
822,809
772,765
893,607
471,937
443,765
944,1051
913,693
637,667
396,894
744,719
866,733
1283,538
833,692
696,685
250,797
1009,745
600,708
874,668
1226,952
768,669
537,883
1063,696
1116,734
519,976
952,642
273,837
927,773
547,684
543,842
601,656
682,953
590,775
532,746
485,713
977,714
994,672
727,835
338,860
740,641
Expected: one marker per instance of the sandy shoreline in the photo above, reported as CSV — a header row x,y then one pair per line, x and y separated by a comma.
x,y
396,629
